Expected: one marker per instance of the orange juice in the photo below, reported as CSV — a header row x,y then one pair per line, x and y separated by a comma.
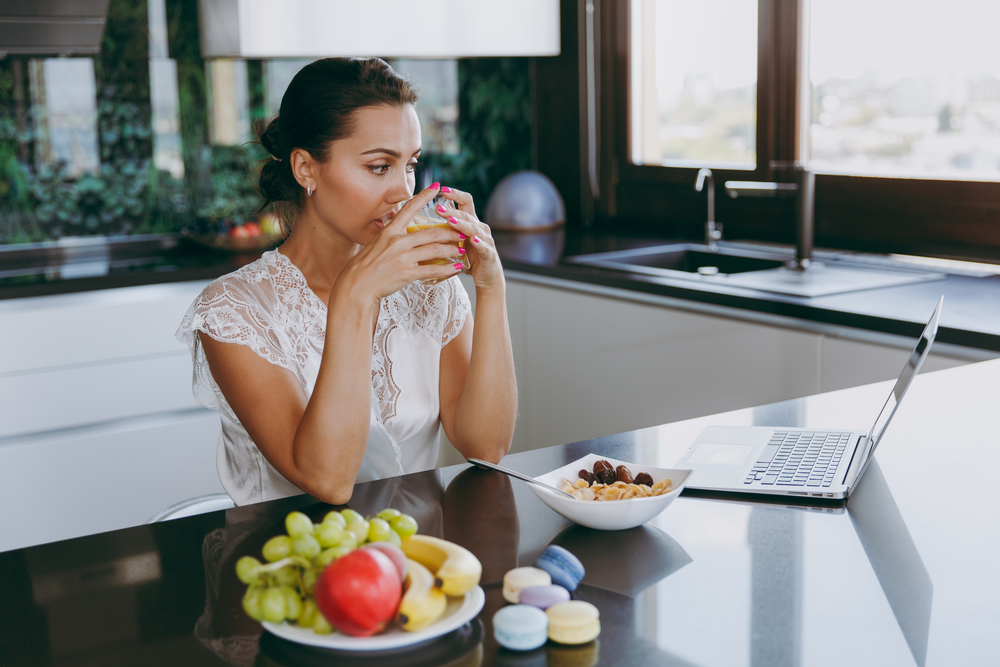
x,y
421,222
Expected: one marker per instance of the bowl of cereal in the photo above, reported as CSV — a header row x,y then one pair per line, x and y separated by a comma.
x,y
610,494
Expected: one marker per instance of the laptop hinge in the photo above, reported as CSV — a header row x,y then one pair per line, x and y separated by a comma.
x,y
854,455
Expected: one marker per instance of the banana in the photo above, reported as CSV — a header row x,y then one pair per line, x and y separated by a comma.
x,y
455,568
422,604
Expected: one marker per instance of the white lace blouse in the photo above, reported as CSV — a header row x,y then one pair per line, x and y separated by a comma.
x,y
268,307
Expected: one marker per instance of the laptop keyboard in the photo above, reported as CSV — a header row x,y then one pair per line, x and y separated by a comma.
x,y
799,459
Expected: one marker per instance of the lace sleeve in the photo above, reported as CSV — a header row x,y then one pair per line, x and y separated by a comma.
x,y
458,308
229,312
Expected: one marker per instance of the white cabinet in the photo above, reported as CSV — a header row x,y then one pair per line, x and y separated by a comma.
x,y
93,479
592,364
99,428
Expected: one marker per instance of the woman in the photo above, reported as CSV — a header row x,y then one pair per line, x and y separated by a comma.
x,y
329,360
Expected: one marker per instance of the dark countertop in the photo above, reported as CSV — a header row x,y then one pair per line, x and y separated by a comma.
x,y
904,573
970,318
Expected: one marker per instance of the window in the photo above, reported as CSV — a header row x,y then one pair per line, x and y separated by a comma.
x,y
895,107
888,101
694,83
64,104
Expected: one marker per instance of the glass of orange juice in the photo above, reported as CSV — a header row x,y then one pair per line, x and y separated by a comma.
x,y
427,218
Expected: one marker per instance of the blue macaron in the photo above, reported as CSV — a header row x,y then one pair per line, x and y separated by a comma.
x,y
565,569
520,627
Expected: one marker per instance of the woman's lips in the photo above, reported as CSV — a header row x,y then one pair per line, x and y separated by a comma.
x,y
379,224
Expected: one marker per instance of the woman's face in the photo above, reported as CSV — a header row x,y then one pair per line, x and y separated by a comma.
x,y
368,171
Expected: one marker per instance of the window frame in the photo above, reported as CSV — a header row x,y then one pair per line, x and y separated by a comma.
x,y
930,217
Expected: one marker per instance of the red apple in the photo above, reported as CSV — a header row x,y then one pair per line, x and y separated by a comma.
x,y
394,553
359,593
253,229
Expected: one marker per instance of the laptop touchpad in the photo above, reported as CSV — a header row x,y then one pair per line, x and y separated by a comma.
x,y
730,455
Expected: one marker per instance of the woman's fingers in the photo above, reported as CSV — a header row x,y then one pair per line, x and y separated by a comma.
x,y
405,215
462,200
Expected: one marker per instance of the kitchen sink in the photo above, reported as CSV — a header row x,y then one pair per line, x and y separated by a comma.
x,y
750,267
690,258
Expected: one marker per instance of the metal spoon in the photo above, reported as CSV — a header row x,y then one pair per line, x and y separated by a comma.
x,y
513,473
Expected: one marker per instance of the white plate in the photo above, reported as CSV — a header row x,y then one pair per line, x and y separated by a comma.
x,y
458,612
612,514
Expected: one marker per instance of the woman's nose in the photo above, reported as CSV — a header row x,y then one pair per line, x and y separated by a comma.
x,y
399,190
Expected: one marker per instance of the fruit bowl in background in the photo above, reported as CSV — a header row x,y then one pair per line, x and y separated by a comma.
x,y
609,514
236,244
460,610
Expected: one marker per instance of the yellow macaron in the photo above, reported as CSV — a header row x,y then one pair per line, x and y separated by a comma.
x,y
573,622
520,578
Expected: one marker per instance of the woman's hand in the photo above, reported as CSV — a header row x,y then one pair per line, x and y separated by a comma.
x,y
486,270
392,260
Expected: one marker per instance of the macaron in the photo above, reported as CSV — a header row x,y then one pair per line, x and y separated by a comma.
x,y
573,622
544,597
520,627
564,568
520,578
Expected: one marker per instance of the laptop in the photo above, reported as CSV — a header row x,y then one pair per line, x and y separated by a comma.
x,y
805,463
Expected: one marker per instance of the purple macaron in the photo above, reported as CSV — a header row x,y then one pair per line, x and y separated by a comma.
x,y
544,597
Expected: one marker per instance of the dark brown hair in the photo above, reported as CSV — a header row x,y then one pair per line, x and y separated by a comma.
x,y
318,108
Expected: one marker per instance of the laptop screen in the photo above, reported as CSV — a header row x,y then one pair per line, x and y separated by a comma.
x,y
913,363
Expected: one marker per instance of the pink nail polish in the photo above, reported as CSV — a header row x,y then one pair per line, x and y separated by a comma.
x,y
435,185
441,209
461,251
475,239
459,266
453,221
445,189
462,236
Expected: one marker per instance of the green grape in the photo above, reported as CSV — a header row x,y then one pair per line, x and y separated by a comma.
x,y
287,576
405,525
350,541
388,514
394,539
248,569
306,546
251,603
350,515
332,554
335,517
298,524
278,547
378,530
307,617
309,580
273,605
321,626
293,603
329,534
360,529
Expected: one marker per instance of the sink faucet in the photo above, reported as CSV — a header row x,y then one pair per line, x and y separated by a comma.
x,y
713,229
803,188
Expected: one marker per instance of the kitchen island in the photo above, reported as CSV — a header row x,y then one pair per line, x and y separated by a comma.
x,y
904,573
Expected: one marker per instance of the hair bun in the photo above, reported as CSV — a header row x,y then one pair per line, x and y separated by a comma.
x,y
269,139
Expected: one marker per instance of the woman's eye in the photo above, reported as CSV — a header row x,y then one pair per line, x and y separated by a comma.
x,y
411,167
379,169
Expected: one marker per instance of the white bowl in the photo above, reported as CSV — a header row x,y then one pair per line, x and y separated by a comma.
x,y
609,514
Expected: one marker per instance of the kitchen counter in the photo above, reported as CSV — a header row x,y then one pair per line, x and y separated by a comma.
x,y
904,573
970,319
